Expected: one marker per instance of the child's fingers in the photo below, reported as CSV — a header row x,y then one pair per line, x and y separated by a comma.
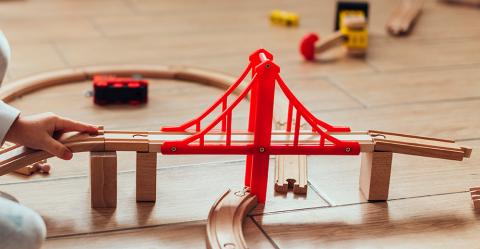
x,y
57,149
67,125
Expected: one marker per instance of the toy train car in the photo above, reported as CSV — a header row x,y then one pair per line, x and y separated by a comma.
x,y
109,89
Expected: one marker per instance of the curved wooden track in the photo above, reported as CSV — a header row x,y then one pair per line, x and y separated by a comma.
x,y
18,88
225,220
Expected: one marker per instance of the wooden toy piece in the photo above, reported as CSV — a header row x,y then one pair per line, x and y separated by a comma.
x,y
290,170
475,194
42,167
225,220
103,179
419,146
34,83
101,130
352,34
125,141
375,175
146,176
404,17
309,49
27,170
291,173
284,18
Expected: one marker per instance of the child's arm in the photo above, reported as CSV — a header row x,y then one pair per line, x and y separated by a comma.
x,y
37,132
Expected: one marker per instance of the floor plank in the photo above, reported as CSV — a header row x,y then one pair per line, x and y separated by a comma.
x,y
411,54
192,235
444,221
62,8
26,30
413,87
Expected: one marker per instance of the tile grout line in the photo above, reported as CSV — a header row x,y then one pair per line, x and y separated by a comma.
x,y
264,233
337,85
372,66
97,28
132,8
122,229
358,203
60,54
323,196
429,69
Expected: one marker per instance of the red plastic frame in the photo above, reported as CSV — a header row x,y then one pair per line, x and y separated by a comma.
x,y
265,74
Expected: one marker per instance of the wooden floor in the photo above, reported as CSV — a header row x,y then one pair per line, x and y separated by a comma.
x,y
426,84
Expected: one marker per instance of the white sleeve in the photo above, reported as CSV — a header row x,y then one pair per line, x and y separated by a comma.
x,y
8,115
4,55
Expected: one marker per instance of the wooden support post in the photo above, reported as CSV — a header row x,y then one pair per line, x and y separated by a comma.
x,y
375,175
103,179
146,176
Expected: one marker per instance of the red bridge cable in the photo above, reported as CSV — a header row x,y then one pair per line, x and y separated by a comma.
x,y
312,120
222,100
223,115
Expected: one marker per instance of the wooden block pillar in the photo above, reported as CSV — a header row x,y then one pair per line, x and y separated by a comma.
x,y
103,179
375,175
146,176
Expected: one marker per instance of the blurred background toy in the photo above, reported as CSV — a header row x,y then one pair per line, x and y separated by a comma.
x,y
351,31
109,89
404,17
284,18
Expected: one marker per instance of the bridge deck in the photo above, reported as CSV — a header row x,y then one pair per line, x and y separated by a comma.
x,y
151,141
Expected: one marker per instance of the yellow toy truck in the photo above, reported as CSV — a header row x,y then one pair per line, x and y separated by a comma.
x,y
353,27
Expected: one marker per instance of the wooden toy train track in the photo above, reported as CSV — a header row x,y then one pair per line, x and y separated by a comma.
x,y
257,143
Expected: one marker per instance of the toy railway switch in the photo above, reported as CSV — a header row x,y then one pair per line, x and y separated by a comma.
x,y
351,31
109,89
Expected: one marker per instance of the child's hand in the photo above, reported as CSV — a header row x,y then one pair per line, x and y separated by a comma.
x,y
36,132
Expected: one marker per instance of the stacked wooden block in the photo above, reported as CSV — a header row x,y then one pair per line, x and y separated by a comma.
x,y
475,193
103,173
103,178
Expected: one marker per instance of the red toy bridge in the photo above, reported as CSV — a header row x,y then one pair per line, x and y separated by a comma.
x,y
265,74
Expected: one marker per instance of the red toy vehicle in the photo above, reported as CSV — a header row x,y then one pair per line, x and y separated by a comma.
x,y
109,89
